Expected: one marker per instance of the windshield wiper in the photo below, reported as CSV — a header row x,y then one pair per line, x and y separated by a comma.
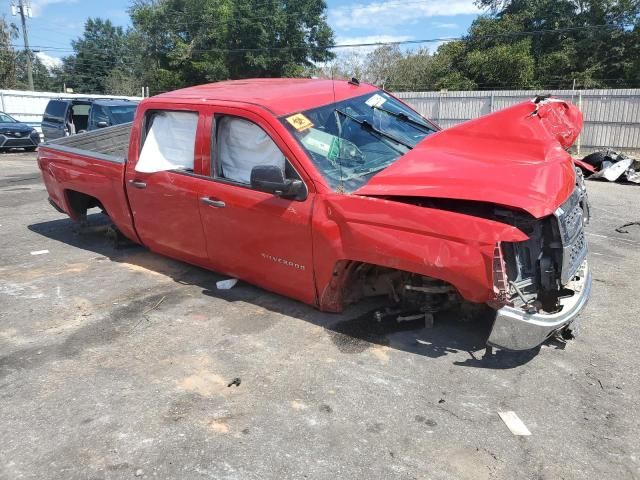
x,y
405,118
367,126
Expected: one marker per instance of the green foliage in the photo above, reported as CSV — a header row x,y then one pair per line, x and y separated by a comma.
x,y
102,48
499,52
177,43
602,53
198,41
506,65
7,56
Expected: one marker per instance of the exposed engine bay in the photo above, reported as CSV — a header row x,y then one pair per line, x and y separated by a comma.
x,y
538,270
533,275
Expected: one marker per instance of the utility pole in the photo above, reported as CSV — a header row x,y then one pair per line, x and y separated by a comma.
x,y
24,10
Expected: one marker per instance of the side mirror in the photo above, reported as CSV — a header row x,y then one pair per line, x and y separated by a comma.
x,y
102,124
270,179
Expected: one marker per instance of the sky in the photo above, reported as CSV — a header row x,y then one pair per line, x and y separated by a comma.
x,y
56,22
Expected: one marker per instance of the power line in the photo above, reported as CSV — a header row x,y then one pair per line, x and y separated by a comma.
x,y
377,44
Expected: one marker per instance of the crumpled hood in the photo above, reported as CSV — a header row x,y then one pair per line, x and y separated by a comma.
x,y
514,157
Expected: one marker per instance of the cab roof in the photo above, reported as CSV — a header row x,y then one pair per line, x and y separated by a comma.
x,y
279,95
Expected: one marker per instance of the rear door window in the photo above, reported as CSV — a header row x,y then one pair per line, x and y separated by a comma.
x,y
169,142
56,109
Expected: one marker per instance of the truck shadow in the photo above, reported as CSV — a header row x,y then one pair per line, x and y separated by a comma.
x,y
352,331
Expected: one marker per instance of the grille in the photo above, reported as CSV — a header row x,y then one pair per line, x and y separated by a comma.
x,y
573,256
21,142
574,244
573,222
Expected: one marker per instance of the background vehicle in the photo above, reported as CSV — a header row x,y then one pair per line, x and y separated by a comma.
x,y
105,113
329,192
14,134
64,117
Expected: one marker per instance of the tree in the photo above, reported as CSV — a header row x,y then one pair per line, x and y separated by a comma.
x,y
382,65
8,32
43,79
101,49
199,41
601,51
121,82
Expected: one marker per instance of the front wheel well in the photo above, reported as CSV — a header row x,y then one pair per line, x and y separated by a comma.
x,y
352,281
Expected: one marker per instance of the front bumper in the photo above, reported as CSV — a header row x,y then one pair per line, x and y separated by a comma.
x,y
26,141
514,329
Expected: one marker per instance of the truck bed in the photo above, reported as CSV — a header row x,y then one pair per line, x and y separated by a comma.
x,y
87,170
111,143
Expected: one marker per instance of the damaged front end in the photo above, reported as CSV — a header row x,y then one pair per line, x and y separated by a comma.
x,y
541,284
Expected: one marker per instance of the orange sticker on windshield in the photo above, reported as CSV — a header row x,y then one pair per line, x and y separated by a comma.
x,y
299,122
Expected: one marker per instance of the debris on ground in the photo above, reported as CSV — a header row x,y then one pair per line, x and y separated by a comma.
x,y
621,227
610,165
226,284
155,306
40,252
514,423
235,382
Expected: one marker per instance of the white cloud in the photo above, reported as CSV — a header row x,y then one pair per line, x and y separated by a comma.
x,y
37,6
341,40
394,12
445,25
48,60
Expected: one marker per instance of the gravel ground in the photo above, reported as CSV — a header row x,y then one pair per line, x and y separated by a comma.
x,y
116,364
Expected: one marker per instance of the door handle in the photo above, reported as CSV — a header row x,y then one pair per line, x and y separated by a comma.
x,y
213,203
137,184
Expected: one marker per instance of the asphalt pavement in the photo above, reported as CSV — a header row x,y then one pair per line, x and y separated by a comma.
x,y
125,364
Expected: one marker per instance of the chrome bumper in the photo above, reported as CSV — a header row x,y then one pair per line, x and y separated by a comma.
x,y
514,329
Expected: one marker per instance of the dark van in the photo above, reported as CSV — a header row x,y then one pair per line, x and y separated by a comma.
x,y
66,116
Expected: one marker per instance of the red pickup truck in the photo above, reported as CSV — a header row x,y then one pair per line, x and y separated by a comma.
x,y
331,191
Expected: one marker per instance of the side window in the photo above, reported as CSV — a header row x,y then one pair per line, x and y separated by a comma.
x,y
56,109
169,141
241,145
98,114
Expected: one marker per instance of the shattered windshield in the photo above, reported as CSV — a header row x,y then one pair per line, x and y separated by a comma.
x,y
350,141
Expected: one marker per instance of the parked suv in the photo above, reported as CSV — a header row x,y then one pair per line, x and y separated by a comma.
x,y
14,134
65,116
